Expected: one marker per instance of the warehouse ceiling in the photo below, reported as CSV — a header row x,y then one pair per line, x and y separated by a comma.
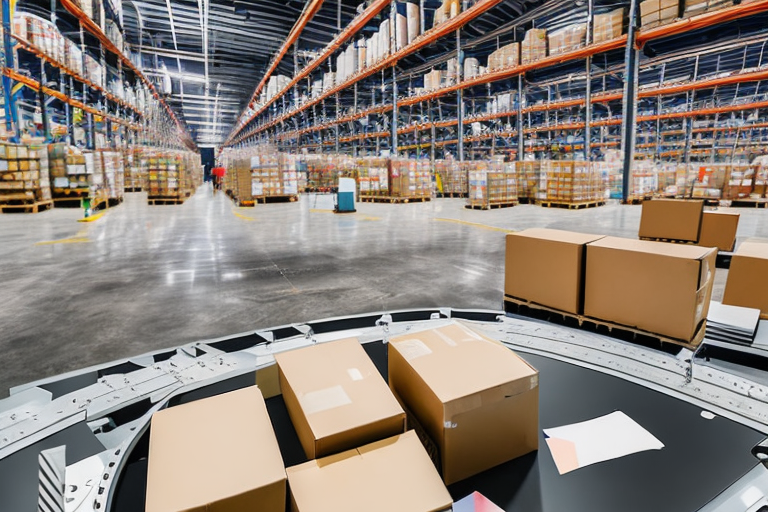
x,y
215,52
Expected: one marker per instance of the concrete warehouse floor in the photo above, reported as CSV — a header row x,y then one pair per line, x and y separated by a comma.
x,y
143,278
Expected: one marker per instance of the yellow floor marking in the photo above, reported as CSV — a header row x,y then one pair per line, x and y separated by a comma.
x,y
80,237
241,216
92,218
476,225
318,210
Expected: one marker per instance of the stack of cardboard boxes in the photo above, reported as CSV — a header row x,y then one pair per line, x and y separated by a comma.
x,y
491,184
453,178
567,38
527,180
373,176
569,182
654,13
534,46
23,175
352,428
686,221
409,178
507,56
608,26
448,9
694,7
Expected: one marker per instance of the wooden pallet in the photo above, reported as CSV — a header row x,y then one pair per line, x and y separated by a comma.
x,y
26,207
622,332
638,200
490,206
133,189
667,240
749,203
444,195
245,202
570,206
526,200
165,200
276,199
114,201
392,199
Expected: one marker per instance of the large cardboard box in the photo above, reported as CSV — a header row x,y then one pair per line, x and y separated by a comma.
x,y
672,219
718,229
747,283
474,401
218,453
652,286
336,398
545,266
388,475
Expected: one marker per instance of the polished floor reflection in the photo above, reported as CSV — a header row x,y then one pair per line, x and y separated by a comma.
x,y
144,278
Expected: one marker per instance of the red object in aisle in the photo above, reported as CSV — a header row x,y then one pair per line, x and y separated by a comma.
x,y
219,172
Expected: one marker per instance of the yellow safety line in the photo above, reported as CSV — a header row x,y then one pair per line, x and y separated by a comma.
x,y
476,225
80,237
317,210
241,216
92,218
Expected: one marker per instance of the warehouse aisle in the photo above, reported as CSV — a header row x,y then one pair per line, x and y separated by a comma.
x,y
144,278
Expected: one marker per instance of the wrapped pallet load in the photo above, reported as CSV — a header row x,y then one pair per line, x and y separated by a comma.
x,y
507,56
694,7
567,38
608,26
534,45
414,21
654,13
471,67
401,27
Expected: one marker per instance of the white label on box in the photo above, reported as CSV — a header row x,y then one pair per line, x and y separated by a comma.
x,y
324,399
257,189
354,374
413,349
60,182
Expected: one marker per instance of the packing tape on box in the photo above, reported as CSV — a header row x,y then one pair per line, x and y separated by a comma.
x,y
324,399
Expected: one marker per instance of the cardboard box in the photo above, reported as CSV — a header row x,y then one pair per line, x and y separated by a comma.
x,y
718,229
747,283
474,401
608,26
652,286
545,266
388,475
336,398
671,219
218,453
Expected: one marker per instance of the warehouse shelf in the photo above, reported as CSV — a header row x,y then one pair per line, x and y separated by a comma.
x,y
41,54
35,85
420,42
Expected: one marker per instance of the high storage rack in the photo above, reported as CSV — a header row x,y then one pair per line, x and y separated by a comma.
x,y
673,82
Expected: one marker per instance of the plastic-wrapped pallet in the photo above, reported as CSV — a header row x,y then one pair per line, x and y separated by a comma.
x,y
384,41
608,26
654,13
694,7
414,21
534,46
447,10
567,38
471,67
401,31
362,54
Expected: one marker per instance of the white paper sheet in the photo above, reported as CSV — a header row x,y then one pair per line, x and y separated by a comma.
x,y
734,318
589,442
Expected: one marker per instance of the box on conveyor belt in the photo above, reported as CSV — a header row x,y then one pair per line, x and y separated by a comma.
x,y
608,26
747,283
694,7
534,45
336,398
388,475
656,287
567,38
217,453
718,229
654,13
473,402
546,267
671,219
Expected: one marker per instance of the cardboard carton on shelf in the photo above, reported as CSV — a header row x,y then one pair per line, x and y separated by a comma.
x,y
655,287
694,7
534,46
567,38
671,219
747,282
545,266
654,13
218,453
608,26
473,402
718,229
414,21
336,398
388,475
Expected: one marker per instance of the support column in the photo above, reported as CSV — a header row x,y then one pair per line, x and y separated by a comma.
x,y
519,119
392,50
588,91
459,99
629,111
11,114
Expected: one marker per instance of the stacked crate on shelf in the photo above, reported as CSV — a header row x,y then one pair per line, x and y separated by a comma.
x,y
81,179
321,173
491,184
135,171
272,178
740,182
24,180
527,180
373,179
409,180
709,181
191,172
451,178
570,183
111,163
163,169
644,182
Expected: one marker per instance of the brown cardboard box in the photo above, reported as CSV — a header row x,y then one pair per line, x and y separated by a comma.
x,y
652,286
747,283
718,229
388,475
336,397
218,453
672,219
608,26
545,266
472,399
